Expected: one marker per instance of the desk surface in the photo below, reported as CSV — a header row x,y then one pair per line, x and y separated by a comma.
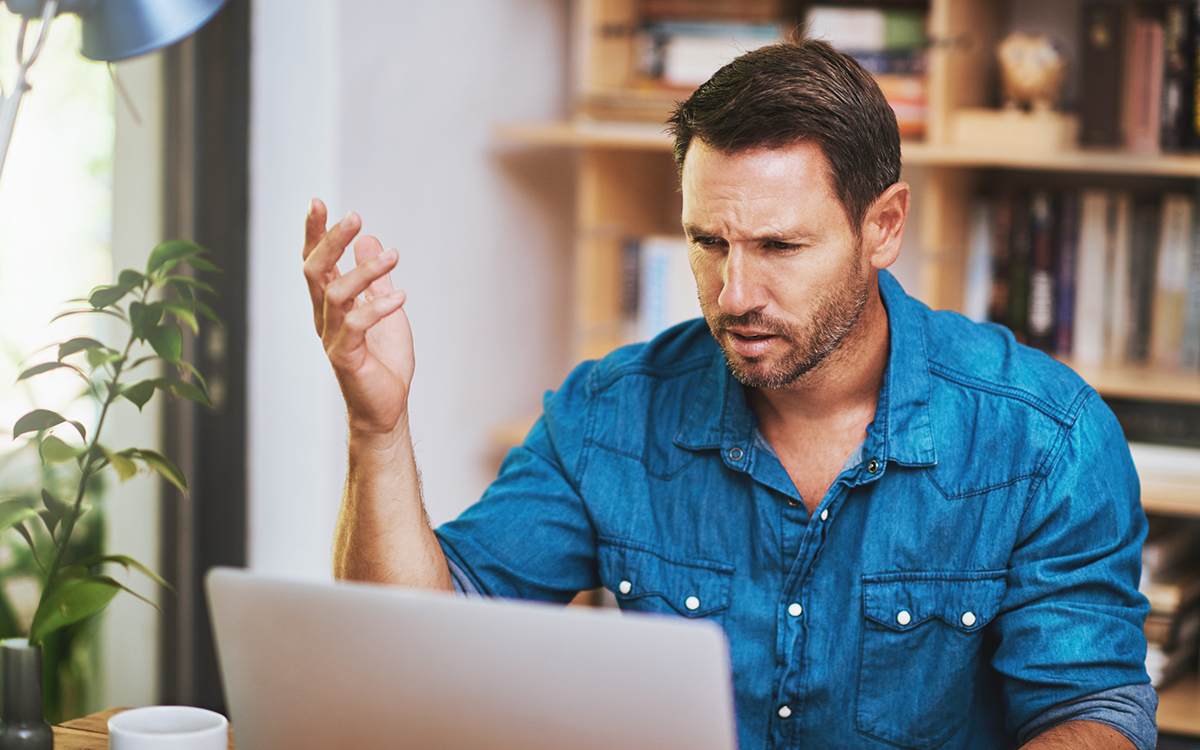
x,y
91,732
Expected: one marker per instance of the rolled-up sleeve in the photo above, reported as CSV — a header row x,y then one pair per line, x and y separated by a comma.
x,y
1070,628
530,536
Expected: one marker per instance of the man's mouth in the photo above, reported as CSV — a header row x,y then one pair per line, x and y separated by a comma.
x,y
751,344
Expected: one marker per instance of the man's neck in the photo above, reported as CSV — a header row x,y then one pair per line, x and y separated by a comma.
x,y
846,382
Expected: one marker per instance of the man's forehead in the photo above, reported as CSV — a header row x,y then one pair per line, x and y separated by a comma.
x,y
798,162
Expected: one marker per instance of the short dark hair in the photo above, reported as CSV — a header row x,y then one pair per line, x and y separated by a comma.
x,y
801,91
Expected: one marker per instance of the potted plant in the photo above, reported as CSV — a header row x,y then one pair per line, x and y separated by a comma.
x,y
153,305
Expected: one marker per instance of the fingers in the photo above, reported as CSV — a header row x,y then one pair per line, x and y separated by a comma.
x,y
340,293
320,263
366,248
352,334
314,225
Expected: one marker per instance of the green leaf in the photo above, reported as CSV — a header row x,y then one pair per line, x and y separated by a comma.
x,y
139,393
171,250
115,312
189,281
126,562
190,369
13,512
179,388
167,342
106,296
55,451
163,466
79,344
99,357
57,508
124,466
130,278
182,313
200,264
37,420
46,367
143,318
183,291
67,601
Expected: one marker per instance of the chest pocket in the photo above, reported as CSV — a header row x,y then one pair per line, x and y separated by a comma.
x,y
645,581
921,657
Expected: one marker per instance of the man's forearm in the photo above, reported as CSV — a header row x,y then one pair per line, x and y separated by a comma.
x,y
383,534
1079,735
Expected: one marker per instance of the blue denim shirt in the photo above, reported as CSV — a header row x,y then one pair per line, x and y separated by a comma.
x,y
969,580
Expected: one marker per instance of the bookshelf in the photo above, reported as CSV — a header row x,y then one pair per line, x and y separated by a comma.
x,y
626,187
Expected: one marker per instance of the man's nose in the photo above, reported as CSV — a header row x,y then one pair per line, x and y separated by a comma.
x,y
742,290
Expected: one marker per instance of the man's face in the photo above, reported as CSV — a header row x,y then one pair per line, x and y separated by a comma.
x,y
778,266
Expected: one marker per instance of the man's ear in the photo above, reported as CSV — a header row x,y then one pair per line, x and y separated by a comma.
x,y
883,226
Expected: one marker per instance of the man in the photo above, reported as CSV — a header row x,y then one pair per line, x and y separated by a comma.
x,y
916,532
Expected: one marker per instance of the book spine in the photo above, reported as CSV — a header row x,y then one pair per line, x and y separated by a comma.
x,y
1021,253
1042,303
978,289
1067,241
1143,259
1177,74
1118,318
1143,96
1100,110
1092,286
999,301
1189,354
1166,333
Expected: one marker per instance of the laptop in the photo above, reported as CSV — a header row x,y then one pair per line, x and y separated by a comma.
x,y
334,665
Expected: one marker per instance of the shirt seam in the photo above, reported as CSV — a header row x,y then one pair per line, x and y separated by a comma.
x,y
1058,415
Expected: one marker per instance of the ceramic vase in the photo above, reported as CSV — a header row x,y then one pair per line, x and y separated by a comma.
x,y
22,726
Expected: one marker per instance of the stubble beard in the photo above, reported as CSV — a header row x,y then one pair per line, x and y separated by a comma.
x,y
806,348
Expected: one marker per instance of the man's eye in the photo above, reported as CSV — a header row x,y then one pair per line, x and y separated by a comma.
x,y
782,246
707,241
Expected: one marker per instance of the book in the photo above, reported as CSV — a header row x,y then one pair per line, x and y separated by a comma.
x,y
1177,100
1091,288
1189,350
668,288
1163,422
1170,544
1171,632
761,11
1101,67
1020,256
999,299
1143,257
1040,323
1166,334
866,29
1172,591
1143,86
1118,317
982,236
1067,241
686,54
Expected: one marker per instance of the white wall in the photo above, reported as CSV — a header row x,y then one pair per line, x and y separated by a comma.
x,y
387,107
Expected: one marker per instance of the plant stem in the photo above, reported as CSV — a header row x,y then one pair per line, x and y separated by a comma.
x,y
92,457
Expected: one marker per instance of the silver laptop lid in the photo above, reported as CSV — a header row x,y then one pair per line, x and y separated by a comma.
x,y
323,665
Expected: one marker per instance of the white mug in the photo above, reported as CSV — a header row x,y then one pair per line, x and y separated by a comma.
x,y
168,728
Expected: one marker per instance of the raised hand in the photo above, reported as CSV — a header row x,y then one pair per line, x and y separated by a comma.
x,y
360,320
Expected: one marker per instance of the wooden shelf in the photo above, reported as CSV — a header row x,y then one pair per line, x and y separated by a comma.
x,y
1179,707
651,136
1141,382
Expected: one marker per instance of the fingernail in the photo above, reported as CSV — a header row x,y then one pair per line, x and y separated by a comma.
x,y
346,218
312,206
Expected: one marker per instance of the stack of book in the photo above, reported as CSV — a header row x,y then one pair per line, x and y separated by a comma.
x,y
1171,581
1139,62
659,289
890,43
1101,276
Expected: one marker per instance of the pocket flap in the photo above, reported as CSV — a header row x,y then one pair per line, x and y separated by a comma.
x,y
693,588
902,601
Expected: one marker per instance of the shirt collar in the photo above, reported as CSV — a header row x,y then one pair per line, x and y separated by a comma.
x,y
719,416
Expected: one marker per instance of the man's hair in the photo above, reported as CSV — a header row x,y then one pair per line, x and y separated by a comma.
x,y
779,95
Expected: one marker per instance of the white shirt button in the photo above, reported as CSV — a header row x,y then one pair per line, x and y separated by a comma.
x,y
825,515
692,603
968,619
785,711
625,587
903,617
795,610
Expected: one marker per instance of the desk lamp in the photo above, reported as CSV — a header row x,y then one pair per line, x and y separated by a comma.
x,y
112,30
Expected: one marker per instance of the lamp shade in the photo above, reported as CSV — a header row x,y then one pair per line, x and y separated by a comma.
x,y
118,29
